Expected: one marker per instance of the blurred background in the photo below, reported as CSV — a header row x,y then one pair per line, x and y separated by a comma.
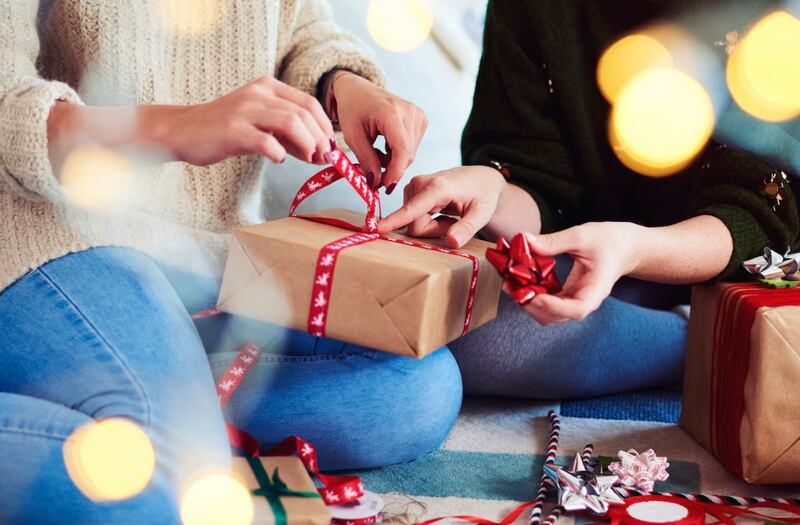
x,y
437,74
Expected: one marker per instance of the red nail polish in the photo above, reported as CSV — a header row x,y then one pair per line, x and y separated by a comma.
x,y
333,143
328,158
391,188
370,179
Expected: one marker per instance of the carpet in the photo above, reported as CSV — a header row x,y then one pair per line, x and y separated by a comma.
x,y
493,457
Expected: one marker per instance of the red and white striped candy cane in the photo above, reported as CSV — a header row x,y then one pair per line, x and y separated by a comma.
x,y
552,451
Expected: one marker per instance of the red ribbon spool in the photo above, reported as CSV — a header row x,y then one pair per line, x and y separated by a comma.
x,y
525,273
661,510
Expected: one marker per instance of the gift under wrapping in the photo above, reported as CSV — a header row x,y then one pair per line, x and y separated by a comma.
x,y
741,395
385,295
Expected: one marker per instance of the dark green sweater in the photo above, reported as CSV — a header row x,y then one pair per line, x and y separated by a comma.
x,y
538,109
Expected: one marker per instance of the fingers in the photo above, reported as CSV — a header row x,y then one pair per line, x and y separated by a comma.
x,y
427,226
292,131
564,241
475,217
307,102
590,289
417,206
361,145
402,153
265,144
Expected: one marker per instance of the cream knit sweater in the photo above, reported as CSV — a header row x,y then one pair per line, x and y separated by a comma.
x,y
128,52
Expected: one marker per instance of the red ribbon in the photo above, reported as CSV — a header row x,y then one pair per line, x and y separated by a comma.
x,y
526,274
342,168
696,512
336,490
729,361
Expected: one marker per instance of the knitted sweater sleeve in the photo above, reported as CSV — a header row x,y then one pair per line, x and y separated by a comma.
x,y
315,45
25,103
514,119
729,188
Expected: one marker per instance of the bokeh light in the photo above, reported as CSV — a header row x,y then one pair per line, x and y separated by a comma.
x,y
627,58
661,120
188,18
110,460
763,71
96,177
216,498
399,25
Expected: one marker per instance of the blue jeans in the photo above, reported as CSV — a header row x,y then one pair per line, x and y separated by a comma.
x,y
106,333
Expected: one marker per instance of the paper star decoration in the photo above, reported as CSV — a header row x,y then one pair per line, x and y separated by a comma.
x,y
582,489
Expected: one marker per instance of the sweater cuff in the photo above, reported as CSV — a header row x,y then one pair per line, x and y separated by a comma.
x,y
305,72
24,156
748,236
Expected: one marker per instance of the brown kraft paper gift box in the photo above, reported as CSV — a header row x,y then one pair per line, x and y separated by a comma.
x,y
299,510
766,436
387,296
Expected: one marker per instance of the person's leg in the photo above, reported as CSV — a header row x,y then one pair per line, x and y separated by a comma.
x,y
619,347
89,336
360,407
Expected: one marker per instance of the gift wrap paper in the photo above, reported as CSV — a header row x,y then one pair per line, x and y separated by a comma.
x,y
299,510
769,433
387,296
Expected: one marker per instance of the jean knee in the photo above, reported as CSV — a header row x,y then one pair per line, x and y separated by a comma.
x,y
433,394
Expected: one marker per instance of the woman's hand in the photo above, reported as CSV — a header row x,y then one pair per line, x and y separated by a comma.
x,y
469,192
602,253
265,117
365,111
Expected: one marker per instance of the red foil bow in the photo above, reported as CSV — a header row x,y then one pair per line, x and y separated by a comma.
x,y
526,274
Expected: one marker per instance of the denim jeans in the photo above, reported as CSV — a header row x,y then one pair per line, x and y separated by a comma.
x,y
107,333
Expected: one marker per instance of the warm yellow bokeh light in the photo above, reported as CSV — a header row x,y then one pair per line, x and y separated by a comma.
x,y
188,18
399,25
625,59
662,119
96,177
217,498
110,460
763,71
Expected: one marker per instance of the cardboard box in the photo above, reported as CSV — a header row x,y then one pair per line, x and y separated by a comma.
x,y
741,399
387,296
299,510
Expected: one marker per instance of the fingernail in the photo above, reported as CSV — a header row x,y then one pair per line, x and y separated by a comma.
x,y
390,188
328,158
459,235
333,142
370,179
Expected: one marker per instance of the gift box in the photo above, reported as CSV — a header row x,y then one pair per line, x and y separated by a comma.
x,y
740,394
283,493
391,295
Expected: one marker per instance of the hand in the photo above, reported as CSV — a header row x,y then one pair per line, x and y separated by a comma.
x,y
602,253
469,192
366,111
265,117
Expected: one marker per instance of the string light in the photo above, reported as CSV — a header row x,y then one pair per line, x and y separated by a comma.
x,y
625,59
188,18
661,120
399,25
217,498
763,71
110,460
96,177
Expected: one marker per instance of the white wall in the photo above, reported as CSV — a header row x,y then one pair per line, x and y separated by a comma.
x,y
428,76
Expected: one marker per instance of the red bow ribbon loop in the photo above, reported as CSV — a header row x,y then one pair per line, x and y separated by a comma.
x,y
526,274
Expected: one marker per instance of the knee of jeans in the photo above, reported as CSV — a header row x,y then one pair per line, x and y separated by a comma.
x,y
426,408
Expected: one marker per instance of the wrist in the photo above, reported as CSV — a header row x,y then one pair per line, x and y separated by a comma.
x,y
160,126
636,241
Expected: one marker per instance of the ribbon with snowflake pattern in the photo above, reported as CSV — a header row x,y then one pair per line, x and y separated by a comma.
x,y
342,168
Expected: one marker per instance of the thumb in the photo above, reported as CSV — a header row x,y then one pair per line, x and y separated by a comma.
x,y
367,157
468,226
552,244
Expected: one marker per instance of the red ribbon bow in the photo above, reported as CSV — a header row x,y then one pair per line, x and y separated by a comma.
x,y
526,274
